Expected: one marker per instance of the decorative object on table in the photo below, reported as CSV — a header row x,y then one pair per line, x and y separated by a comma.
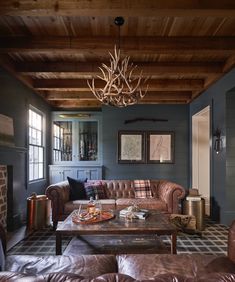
x,y
133,212
122,86
131,147
160,147
86,218
91,210
184,223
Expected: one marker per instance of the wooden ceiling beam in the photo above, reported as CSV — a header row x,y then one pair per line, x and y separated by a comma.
x,y
75,104
65,104
230,63
130,45
84,69
154,8
8,65
153,84
161,95
163,101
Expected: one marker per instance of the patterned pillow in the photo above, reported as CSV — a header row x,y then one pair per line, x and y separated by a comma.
x,y
142,189
93,189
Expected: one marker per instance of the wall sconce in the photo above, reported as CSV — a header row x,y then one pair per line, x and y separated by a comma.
x,y
218,141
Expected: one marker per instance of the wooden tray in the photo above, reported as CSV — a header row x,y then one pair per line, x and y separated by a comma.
x,y
105,215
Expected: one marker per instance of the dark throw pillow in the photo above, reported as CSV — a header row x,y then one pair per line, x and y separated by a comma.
x,y
77,189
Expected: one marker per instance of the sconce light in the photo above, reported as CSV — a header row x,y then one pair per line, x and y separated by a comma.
x,y
218,141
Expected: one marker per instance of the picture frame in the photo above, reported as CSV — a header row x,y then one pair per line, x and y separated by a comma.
x,y
160,147
131,147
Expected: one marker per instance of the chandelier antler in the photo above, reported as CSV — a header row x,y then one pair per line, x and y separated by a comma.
x,y
122,87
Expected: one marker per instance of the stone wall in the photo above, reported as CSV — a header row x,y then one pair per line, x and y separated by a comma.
x,y
3,195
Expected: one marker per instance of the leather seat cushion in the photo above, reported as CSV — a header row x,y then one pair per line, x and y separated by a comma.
x,y
196,265
20,277
69,277
79,265
147,203
107,204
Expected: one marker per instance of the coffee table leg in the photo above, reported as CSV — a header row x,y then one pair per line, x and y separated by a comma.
x,y
58,244
173,242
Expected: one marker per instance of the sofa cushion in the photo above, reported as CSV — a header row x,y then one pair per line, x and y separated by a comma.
x,y
79,265
217,277
148,203
153,265
95,189
70,277
107,204
20,277
62,277
77,189
142,189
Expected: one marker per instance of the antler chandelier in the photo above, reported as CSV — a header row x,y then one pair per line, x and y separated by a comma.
x,y
122,87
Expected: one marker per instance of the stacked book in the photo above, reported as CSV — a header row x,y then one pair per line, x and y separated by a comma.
x,y
139,214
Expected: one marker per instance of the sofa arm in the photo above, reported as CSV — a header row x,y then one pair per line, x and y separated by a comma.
x,y
58,194
171,193
231,242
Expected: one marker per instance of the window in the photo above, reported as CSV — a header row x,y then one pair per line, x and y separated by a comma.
x,y
36,148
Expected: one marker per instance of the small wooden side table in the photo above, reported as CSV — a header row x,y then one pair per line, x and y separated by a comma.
x,y
196,208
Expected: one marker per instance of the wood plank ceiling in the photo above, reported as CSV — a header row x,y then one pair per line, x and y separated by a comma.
x,y
54,47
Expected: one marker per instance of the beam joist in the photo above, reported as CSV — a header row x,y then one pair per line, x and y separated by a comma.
x,y
160,95
131,45
153,84
75,104
82,69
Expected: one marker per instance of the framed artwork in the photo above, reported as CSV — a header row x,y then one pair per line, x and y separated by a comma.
x,y
160,147
131,147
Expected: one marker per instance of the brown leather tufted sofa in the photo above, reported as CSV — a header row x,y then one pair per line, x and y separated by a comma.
x,y
124,268
120,194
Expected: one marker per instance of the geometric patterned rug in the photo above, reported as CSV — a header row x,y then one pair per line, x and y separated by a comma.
x,y
213,240
40,242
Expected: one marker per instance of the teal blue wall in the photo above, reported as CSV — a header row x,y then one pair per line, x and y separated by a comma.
x,y
229,211
113,121
14,102
222,195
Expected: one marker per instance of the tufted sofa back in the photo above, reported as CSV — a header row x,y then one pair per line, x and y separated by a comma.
x,y
116,189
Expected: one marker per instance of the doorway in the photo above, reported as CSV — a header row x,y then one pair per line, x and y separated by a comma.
x,y
201,155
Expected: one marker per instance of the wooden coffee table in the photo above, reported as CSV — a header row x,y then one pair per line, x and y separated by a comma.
x,y
156,223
